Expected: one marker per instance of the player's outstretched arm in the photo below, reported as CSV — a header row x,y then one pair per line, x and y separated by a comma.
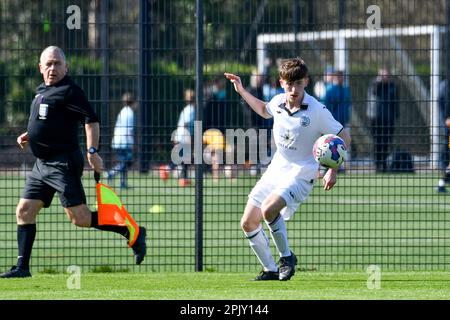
x,y
330,177
346,137
257,105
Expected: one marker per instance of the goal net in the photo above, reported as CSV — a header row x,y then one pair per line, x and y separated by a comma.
x,y
414,56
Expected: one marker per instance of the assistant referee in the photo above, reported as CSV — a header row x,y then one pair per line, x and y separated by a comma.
x,y
57,110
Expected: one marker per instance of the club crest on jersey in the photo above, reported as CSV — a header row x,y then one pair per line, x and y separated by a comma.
x,y
43,111
305,121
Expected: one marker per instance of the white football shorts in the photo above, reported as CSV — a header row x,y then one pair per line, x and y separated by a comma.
x,y
293,190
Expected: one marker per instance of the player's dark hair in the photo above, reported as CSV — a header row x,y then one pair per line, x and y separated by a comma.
x,y
293,69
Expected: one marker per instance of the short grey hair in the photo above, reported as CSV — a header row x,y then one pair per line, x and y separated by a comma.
x,y
51,49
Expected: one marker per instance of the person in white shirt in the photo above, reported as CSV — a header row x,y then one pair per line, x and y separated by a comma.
x,y
123,139
299,119
184,134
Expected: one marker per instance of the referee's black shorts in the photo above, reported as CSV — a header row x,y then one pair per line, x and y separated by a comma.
x,y
62,174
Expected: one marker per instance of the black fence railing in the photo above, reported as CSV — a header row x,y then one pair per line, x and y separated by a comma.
x,y
390,205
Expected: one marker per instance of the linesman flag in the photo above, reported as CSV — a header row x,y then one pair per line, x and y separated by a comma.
x,y
111,210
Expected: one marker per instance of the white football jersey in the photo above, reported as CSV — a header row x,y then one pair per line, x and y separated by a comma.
x,y
295,133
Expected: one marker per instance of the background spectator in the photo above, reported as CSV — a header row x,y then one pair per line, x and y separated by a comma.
x,y
444,116
255,121
382,111
185,132
338,100
123,139
321,86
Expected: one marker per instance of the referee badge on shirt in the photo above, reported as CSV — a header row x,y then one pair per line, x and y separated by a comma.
x,y
43,111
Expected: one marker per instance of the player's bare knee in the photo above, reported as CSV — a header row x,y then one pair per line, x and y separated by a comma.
x,y
21,211
24,213
244,225
247,225
268,212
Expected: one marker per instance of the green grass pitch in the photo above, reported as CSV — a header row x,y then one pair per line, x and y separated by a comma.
x,y
229,286
394,221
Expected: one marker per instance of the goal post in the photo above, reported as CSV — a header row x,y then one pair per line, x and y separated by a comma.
x,y
341,61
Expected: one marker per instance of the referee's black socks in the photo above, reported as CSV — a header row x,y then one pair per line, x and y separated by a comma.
x,y
25,239
117,229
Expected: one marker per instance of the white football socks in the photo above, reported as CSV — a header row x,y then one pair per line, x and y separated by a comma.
x,y
260,245
279,235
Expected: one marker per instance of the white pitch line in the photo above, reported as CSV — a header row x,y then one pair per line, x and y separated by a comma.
x,y
405,204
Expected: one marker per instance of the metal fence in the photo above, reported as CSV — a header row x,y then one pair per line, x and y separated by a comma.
x,y
385,209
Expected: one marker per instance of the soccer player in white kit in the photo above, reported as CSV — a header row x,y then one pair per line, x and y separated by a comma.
x,y
299,119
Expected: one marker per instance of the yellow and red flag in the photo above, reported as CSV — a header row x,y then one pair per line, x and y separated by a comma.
x,y
111,210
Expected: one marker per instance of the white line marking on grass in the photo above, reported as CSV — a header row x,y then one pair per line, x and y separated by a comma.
x,y
399,203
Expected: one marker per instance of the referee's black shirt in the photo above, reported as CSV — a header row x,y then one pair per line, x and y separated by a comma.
x,y
56,113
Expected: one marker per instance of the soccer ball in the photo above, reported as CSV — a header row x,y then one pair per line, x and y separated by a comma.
x,y
330,151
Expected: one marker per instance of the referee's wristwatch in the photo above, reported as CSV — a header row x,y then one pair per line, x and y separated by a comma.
x,y
92,150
